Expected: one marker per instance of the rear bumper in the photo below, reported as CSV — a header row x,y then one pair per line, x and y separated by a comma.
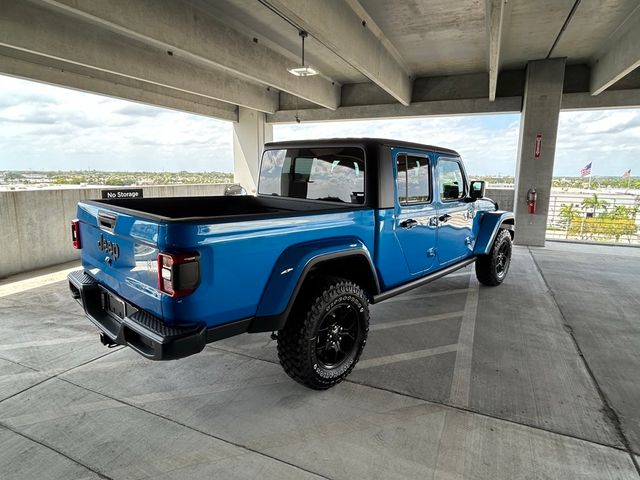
x,y
145,333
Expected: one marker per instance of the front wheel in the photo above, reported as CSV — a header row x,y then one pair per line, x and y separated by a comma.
x,y
491,269
324,337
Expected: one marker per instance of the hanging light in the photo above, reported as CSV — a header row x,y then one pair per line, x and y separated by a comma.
x,y
303,71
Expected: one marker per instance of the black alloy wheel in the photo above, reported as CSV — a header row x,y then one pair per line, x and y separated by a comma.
x,y
492,268
337,336
503,259
324,336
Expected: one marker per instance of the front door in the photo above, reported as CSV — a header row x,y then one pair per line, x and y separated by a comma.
x,y
416,224
455,215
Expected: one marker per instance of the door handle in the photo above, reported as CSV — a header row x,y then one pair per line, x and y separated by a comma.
x,y
409,223
444,218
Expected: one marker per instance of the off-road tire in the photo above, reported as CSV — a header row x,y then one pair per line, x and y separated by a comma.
x,y
491,269
299,340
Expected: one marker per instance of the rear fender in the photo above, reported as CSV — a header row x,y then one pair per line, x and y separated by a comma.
x,y
490,224
291,270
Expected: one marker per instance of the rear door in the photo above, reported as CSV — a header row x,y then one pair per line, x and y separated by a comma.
x,y
455,215
121,252
416,218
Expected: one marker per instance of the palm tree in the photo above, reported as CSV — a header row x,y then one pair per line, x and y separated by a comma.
x,y
594,203
568,213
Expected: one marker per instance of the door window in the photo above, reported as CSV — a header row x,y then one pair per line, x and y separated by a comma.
x,y
452,185
413,179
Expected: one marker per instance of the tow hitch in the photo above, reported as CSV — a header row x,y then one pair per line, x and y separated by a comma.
x,y
106,341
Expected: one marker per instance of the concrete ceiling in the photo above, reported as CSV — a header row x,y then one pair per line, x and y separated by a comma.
x,y
376,57
256,21
436,37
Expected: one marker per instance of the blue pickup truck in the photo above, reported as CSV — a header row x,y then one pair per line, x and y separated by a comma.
x,y
335,225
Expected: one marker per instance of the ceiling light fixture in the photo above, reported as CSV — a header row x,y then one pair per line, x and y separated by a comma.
x,y
303,71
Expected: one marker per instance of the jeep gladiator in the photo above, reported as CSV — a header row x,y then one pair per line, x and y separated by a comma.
x,y
335,226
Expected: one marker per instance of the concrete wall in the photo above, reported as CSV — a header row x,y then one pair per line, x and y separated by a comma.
x,y
35,224
504,197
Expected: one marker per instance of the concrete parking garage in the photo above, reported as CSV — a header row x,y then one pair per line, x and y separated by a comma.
x,y
458,381
536,379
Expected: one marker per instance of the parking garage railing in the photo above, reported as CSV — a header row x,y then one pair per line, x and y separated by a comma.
x,y
594,217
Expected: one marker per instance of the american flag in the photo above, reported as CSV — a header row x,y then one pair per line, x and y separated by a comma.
x,y
586,170
626,174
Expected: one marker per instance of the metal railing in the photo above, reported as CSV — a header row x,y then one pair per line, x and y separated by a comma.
x,y
603,217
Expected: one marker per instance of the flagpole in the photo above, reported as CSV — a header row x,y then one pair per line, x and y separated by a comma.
x,y
589,187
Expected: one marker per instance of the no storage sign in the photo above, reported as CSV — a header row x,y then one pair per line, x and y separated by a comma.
x,y
122,193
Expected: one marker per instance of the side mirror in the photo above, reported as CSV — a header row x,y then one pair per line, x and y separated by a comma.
x,y
476,189
234,190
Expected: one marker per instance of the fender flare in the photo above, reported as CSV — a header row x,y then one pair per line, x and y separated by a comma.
x,y
490,224
290,272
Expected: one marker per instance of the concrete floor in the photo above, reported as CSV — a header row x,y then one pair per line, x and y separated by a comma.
x,y
533,379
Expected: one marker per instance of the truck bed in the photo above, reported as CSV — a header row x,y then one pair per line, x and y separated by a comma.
x,y
200,208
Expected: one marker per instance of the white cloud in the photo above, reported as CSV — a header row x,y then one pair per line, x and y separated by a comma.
x,y
488,144
45,127
610,139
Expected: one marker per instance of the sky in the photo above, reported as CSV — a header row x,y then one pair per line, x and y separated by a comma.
x,y
43,127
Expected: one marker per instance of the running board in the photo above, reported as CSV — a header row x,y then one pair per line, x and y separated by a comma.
x,y
422,281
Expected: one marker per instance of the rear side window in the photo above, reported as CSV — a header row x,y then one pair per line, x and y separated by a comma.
x,y
414,179
330,174
451,180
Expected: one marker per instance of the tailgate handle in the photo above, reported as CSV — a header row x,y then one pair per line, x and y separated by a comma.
x,y
106,221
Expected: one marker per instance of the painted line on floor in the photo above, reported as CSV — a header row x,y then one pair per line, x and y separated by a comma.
x,y
403,357
458,274
7,380
60,411
46,343
404,298
415,321
35,282
216,388
461,382
452,441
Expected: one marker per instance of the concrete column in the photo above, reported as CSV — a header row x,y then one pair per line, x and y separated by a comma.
x,y
539,125
250,134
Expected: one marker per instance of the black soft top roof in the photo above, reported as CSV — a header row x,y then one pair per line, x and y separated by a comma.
x,y
357,141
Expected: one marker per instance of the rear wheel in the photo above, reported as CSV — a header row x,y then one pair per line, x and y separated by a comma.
x,y
324,337
491,269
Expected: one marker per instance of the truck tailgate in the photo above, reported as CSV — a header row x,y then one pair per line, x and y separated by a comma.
x,y
120,251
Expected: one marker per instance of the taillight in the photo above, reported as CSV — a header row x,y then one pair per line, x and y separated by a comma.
x,y
178,273
75,233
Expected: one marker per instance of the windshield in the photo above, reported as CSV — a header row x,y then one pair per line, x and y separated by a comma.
x,y
332,174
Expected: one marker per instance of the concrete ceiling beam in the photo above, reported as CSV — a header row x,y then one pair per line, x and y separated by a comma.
x,y
498,13
103,83
334,24
467,106
620,56
189,33
51,34
607,99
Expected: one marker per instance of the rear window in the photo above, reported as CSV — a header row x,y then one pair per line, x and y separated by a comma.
x,y
333,174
